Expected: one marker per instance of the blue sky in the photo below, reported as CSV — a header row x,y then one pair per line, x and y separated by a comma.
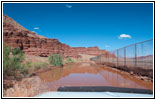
x,y
106,25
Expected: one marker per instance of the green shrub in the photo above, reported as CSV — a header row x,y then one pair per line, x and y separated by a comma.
x,y
24,70
26,67
44,65
38,65
12,61
79,60
69,60
56,60
16,59
6,59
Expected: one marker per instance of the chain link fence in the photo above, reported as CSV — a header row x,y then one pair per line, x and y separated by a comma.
x,y
131,58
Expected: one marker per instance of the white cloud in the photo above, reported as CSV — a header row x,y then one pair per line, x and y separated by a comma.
x,y
122,36
69,6
36,28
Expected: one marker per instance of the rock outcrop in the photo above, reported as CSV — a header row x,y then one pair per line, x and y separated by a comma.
x,y
16,35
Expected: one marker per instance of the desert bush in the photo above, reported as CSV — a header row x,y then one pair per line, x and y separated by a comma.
x,y
26,67
39,65
79,60
16,59
69,60
34,66
6,64
12,61
56,60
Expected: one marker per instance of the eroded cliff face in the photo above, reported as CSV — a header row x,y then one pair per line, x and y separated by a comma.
x,y
16,35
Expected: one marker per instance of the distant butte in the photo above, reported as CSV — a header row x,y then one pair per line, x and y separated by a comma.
x,y
16,35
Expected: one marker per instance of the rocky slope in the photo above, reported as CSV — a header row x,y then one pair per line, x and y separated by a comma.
x,y
16,35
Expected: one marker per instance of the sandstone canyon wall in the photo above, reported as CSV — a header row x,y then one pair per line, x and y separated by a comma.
x,y
16,35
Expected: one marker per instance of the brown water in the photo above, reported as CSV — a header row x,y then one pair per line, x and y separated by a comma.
x,y
86,74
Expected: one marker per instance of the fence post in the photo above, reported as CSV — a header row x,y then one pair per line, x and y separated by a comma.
x,y
135,56
117,58
124,56
113,57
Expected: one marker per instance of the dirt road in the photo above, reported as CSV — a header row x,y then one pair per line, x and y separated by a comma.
x,y
90,74
76,74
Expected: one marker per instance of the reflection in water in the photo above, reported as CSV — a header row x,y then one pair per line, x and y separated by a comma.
x,y
86,75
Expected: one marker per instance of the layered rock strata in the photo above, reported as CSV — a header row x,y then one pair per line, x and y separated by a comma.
x,y
16,35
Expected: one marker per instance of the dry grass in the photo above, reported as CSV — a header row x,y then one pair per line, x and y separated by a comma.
x,y
87,57
26,88
33,58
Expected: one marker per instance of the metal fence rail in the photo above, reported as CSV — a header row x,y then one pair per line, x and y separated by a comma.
x,y
135,55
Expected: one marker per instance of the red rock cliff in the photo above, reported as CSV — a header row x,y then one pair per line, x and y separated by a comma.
x,y
16,35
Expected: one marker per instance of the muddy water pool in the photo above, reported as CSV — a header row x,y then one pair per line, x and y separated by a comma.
x,y
87,74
